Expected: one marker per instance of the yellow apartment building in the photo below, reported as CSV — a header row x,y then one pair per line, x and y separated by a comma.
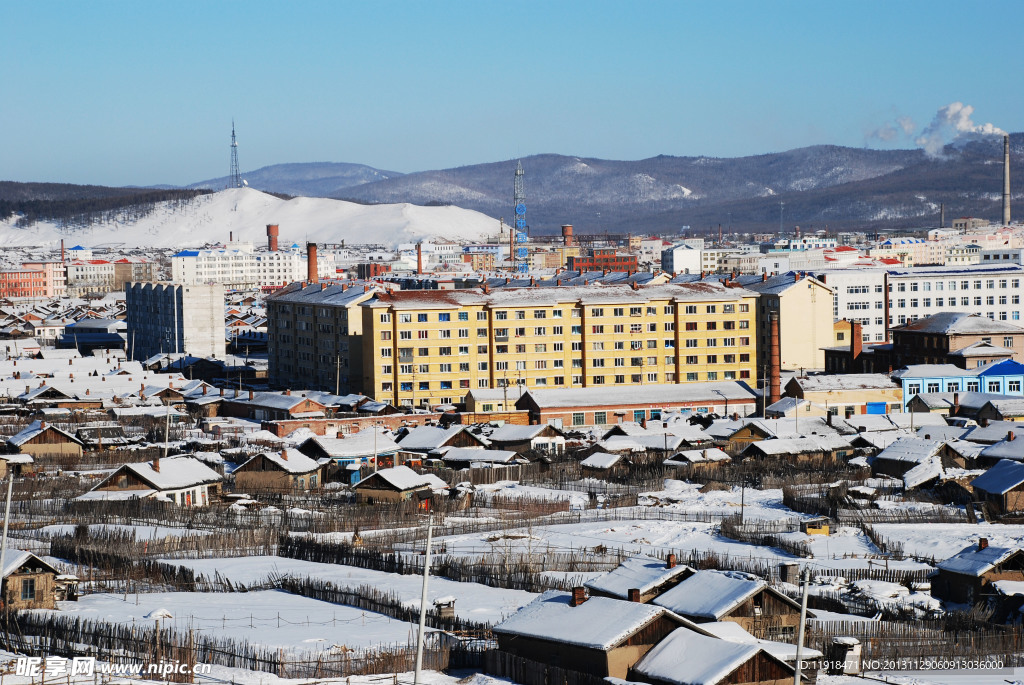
x,y
425,348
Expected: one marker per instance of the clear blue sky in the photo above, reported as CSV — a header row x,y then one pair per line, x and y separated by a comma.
x,y
143,92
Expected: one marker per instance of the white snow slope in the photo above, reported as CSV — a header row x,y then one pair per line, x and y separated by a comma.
x,y
246,212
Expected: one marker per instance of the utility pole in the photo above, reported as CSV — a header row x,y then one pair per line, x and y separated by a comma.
x,y
7,518
803,620
423,602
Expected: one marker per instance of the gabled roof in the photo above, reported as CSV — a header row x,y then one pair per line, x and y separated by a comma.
x,y
1001,478
710,454
401,478
17,558
37,428
1005,449
685,657
599,623
710,594
972,561
641,572
428,438
804,445
361,444
981,349
1007,367
651,395
175,473
289,461
601,460
910,450
475,454
514,433
959,323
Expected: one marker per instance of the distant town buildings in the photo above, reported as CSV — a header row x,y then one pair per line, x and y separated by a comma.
x,y
166,318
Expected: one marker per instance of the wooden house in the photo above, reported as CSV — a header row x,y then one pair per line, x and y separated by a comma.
x,y
182,480
965,577
688,657
43,440
606,464
427,439
804,450
542,438
639,579
285,471
30,583
18,464
599,636
397,484
724,596
1001,487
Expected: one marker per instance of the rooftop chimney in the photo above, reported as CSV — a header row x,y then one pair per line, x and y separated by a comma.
x,y
670,561
156,464
775,365
982,543
1010,436
1006,180
252,395
312,273
956,403
633,594
856,340
272,237
288,392
579,596
284,454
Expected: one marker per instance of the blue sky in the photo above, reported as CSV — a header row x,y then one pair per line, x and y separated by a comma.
x,y
120,92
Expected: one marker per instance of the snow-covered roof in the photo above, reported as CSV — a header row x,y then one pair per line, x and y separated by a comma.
x,y
651,395
994,432
974,561
912,450
598,623
804,445
641,443
289,461
361,444
601,460
845,381
1001,478
959,323
427,438
686,657
709,594
475,454
696,456
1005,449
398,477
17,558
34,429
927,470
641,572
175,473
514,433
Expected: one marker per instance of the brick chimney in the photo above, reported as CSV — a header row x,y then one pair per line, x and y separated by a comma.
x,y
419,258
670,561
982,543
312,273
1010,436
288,392
252,395
156,464
284,454
579,596
775,364
856,340
956,403
633,594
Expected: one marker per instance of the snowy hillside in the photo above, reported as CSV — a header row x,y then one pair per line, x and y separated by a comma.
x,y
246,212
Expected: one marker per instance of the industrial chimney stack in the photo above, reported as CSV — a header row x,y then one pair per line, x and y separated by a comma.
x,y
272,234
775,365
567,239
1006,180
419,258
312,273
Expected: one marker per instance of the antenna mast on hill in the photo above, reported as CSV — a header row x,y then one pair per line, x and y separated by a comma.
x,y
522,230
235,177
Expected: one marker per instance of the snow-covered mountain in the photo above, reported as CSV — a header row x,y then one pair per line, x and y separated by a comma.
x,y
246,212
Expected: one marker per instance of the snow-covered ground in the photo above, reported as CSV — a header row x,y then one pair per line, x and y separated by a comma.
x,y
843,541
757,504
141,532
268,618
246,212
474,601
943,540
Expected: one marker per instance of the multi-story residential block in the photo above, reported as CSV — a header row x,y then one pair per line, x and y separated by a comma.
x,y
89,276
54,276
239,266
134,269
804,305
172,318
314,336
34,279
602,258
431,347
682,259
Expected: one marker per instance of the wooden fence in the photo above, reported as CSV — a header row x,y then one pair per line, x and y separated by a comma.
x,y
528,672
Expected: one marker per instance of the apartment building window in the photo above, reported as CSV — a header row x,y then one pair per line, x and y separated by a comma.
x,y
598,346
463,332
711,308
652,344
501,366
1013,386
387,387
669,309
598,380
556,330
520,313
1002,299
520,349
443,368
405,335
385,318
424,368
540,347
691,342
539,314
577,313
901,287
444,351
385,335
577,347
421,318
557,347
691,377
977,301
652,378
463,316
712,375
618,311
520,332
691,309
670,342
652,328
464,366
578,418
444,316
556,313
558,380
598,329
501,316
577,330
636,311
1008,342
481,316
385,351
540,330
385,368
443,333
405,369
481,332
619,345
597,311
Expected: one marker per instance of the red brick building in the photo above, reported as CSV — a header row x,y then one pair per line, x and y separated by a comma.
x,y
602,258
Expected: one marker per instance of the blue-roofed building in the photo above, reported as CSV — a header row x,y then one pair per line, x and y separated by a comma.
x,y
1003,378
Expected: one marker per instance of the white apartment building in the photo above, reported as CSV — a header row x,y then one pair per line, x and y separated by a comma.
x,y
682,259
239,266
874,297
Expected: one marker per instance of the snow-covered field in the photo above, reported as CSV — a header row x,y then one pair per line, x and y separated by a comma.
x,y
943,540
756,504
474,601
141,532
246,212
268,618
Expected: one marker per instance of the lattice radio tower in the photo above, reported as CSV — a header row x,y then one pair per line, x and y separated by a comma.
x,y
235,177
521,229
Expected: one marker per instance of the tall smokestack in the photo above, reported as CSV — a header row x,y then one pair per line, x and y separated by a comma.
x,y
775,366
942,215
567,239
312,273
272,234
1006,180
419,258
62,250
231,236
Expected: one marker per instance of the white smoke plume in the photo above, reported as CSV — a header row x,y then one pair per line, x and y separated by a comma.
x,y
953,124
891,130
